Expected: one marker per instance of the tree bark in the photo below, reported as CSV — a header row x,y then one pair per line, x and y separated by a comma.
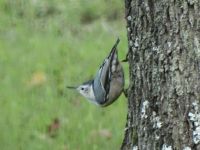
x,y
164,90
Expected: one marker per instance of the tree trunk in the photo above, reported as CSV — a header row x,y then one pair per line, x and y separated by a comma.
x,y
164,90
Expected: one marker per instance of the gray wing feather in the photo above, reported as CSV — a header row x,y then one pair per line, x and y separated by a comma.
x,y
98,88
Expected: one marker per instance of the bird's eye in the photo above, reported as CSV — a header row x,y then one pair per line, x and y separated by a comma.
x,y
82,88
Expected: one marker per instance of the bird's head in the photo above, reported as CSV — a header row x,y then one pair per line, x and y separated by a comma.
x,y
85,89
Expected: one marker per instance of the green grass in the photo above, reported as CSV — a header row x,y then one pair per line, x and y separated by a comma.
x,y
45,46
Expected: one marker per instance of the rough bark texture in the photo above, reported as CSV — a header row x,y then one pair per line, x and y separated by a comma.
x,y
164,91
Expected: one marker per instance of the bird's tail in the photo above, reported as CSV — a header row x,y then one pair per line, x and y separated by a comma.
x,y
115,45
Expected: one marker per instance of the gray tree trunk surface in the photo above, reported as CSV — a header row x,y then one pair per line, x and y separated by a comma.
x,y
164,59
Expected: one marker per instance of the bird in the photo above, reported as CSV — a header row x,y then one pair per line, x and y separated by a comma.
x,y
108,83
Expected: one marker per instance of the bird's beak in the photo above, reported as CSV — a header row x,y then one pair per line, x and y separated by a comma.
x,y
72,87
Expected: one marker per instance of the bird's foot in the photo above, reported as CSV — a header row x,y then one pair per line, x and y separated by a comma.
x,y
126,59
125,91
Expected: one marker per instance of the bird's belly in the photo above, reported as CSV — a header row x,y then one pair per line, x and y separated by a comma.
x,y
116,89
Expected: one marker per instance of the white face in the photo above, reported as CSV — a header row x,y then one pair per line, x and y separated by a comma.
x,y
86,91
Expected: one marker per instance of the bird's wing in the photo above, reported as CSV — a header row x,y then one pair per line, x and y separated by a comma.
x,y
106,68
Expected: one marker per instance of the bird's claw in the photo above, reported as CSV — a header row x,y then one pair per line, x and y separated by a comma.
x,y
125,91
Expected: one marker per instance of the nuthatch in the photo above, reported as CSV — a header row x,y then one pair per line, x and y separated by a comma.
x,y
108,84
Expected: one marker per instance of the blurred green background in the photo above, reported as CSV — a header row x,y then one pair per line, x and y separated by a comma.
x,y
44,46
